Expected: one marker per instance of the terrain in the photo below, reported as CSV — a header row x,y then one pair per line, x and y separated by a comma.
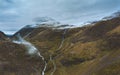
x,y
93,49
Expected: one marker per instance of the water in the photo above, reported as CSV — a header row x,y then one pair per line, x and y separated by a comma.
x,y
61,45
63,39
31,50
54,65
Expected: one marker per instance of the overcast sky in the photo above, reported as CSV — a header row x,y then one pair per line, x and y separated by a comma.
x,y
15,14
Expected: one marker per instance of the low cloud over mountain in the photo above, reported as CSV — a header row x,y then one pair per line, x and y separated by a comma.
x,y
17,13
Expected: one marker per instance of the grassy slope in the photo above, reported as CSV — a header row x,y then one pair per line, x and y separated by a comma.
x,y
88,50
15,61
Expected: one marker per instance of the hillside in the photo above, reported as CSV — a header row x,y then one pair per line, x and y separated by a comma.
x,y
3,37
88,50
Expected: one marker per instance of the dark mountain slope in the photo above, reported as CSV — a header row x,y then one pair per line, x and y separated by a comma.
x,y
14,60
82,47
89,50
3,37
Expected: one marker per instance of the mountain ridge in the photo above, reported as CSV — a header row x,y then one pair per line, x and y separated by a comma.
x,y
88,50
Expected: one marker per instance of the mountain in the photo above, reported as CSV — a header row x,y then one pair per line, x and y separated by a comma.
x,y
28,29
89,50
25,30
116,14
46,20
3,37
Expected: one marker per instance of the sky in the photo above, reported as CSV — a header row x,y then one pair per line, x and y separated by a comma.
x,y
14,14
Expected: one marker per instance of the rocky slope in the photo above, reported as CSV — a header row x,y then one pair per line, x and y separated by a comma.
x,y
89,50
3,37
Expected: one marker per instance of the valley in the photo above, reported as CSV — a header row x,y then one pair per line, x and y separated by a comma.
x,y
93,49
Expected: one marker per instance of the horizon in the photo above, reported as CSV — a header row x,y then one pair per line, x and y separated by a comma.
x,y
16,14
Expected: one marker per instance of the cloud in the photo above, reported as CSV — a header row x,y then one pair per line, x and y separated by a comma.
x,y
17,13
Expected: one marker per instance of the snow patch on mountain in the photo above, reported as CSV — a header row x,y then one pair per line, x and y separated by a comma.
x,y
45,20
48,22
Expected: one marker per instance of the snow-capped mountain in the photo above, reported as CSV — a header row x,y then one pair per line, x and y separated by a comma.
x,y
45,20
114,15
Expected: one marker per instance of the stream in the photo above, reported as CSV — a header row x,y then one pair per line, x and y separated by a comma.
x,y
61,45
33,50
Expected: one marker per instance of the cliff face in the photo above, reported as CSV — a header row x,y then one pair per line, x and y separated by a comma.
x,y
89,50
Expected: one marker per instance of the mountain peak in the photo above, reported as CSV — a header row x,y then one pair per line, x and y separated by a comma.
x,y
114,15
45,20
